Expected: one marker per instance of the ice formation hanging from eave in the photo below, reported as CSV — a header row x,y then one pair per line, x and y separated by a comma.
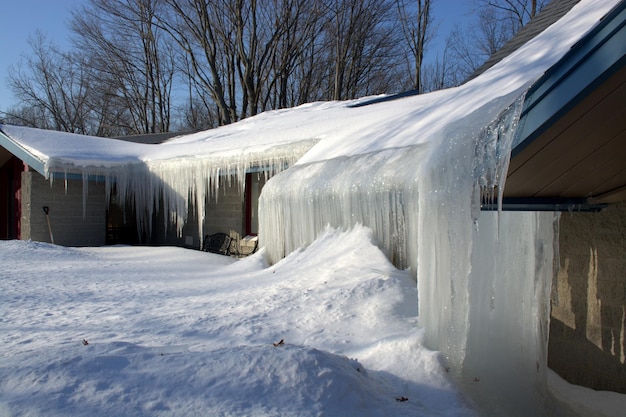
x,y
422,203
179,176
382,189
468,131
180,185
188,183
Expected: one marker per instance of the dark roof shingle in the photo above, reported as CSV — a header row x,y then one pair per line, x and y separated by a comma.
x,y
555,10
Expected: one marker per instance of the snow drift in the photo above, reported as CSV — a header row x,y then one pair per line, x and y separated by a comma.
x,y
176,332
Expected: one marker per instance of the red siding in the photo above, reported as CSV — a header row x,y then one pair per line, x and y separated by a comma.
x,y
11,198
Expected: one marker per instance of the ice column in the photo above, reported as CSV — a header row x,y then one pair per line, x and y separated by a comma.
x,y
468,162
505,363
483,277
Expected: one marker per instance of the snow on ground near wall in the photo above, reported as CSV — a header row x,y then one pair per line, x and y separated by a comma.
x,y
585,402
172,331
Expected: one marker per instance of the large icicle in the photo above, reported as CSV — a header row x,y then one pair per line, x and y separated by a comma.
x,y
187,184
484,277
505,362
179,187
467,163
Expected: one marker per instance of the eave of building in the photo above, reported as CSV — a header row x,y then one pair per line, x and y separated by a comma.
x,y
571,143
12,146
9,147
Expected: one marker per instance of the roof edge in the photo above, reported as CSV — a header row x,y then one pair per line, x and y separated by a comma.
x,y
22,153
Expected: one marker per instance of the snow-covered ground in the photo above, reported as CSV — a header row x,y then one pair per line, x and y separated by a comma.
x,y
177,332
163,331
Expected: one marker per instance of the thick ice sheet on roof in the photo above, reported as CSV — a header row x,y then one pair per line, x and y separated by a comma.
x,y
413,120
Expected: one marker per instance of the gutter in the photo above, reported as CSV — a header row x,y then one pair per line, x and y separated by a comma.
x,y
572,205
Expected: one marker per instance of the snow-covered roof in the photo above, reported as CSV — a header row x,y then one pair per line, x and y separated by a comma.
x,y
50,151
47,150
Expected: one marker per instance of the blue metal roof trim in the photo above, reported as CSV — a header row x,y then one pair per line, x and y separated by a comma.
x,y
591,61
78,177
21,153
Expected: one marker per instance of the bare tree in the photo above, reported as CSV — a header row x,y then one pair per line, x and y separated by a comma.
x,y
242,52
292,49
259,31
517,12
439,74
197,111
361,46
416,22
130,60
254,56
495,23
199,29
472,46
226,60
52,87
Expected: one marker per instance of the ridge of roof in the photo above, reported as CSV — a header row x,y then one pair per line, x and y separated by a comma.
x,y
150,138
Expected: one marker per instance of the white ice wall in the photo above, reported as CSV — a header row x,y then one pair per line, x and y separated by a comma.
x,y
378,190
423,205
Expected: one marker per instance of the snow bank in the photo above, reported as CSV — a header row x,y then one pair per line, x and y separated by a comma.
x,y
126,379
585,402
175,332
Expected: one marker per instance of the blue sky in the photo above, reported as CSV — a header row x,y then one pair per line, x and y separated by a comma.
x,y
21,18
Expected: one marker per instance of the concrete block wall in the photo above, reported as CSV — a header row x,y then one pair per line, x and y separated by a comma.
x,y
69,226
227,214
587,343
